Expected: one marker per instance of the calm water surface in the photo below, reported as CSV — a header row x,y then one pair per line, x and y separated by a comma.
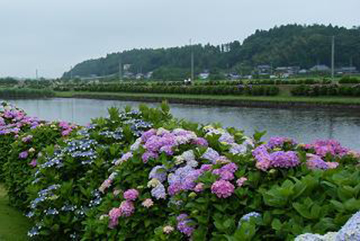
x,y
303,125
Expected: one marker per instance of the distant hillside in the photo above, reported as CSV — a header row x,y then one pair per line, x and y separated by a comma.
x,y
288,45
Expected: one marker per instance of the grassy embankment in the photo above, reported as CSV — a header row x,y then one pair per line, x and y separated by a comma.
x,y
282,99
13,225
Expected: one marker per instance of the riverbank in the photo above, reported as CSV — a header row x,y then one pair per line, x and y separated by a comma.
x,y
284,101
13,225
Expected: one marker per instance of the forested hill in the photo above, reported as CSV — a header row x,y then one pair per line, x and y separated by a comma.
x,y
288,45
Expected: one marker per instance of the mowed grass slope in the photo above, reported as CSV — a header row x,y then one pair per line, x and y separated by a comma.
x,y
13,225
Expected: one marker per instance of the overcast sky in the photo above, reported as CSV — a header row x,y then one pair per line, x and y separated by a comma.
x,y
52,35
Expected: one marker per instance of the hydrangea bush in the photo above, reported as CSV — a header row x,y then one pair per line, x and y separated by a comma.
x,y
13,122
142,175
23,158
67,177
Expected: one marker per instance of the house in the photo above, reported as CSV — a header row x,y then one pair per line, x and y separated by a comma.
x,y
233,76
346,70
264,69
128,75
288,70
127,67
204,75
148,75
303,71
139,76
320,68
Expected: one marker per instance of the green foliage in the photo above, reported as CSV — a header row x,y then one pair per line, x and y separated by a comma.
x,y
221,89
25,93
326,90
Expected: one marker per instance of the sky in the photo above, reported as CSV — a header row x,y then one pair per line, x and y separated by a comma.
x,y
52,35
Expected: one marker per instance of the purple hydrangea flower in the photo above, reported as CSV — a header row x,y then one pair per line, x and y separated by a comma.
x,y
158,172
149,155
147,134
23,155
131,194
284,159
201,142
159,192
127,208
183,225
211,155
279,142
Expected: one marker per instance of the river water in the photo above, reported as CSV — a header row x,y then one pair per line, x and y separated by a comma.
x,y
303,125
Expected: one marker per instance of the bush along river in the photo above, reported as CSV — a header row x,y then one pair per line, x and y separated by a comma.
x,y
143,175
306,125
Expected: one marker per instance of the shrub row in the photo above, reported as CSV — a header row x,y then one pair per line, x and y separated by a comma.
x,y
326,90
349,80
25,93
213,90
142,175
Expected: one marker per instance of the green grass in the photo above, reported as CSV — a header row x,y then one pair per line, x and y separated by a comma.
x,y
13,225
282,98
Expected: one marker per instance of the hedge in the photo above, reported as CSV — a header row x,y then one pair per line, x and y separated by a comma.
x,y
142,175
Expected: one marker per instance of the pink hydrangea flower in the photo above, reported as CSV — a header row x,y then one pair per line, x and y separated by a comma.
x,y
33,163
114,215
147,203
240,182
199,187
222,189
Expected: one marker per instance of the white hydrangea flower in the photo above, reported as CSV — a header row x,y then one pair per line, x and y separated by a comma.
x,y
136,145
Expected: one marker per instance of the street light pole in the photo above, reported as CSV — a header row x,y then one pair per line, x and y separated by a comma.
x,y
120,70
192,61
332,58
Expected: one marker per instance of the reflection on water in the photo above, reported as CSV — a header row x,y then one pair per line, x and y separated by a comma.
x,y
303,125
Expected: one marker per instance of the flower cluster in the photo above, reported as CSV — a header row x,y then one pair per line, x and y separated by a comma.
x,y
126,208
265,159
66,128
164,141
183,225
12,120
227,139
222,188
316,162
324,147
279,142
350,231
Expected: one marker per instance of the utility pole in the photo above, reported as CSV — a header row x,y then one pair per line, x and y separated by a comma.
x,y
71,72
332,58
37,75
120,70
192,61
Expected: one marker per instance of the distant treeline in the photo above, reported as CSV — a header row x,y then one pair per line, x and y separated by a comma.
x,y
9,93
290,45
8,81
